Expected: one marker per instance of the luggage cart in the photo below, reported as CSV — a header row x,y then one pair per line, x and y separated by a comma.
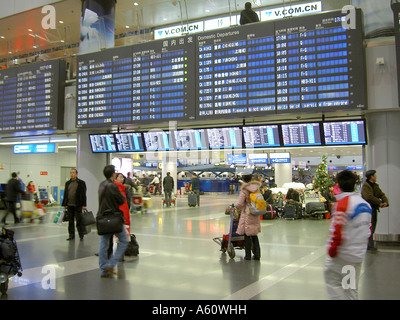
x,y
137,201
10,263
231,241
173,199
30,209
313,207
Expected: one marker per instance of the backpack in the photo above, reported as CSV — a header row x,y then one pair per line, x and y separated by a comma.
x,y
258,206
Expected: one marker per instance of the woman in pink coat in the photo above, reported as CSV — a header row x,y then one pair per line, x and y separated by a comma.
x,y
249,224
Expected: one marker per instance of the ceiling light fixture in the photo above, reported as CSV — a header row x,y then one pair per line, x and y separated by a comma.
x,y
135,4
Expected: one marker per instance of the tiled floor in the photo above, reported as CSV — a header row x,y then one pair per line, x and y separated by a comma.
x,y
178,260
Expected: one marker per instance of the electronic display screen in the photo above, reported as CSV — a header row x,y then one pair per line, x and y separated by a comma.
x,y
345,132
301,134
302,64
261,136
225,138
191,139
102,142
147,82
129,141
32,97
158,141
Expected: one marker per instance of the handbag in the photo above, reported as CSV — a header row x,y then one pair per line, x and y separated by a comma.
x,y
87,218
110,223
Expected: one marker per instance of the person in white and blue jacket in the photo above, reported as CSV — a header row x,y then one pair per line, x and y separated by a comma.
x,y
350,231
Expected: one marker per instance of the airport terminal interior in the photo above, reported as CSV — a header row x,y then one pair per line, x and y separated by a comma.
x,y
181,86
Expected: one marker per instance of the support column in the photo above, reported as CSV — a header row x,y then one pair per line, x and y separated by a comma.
x,y
90,168
383,154
283,173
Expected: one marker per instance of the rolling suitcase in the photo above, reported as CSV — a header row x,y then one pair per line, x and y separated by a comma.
x,y
192,199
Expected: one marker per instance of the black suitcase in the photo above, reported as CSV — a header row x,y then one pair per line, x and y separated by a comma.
x,y
133,247
315,209
293,210
192,199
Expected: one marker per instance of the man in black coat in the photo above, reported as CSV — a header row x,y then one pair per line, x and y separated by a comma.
x,y
74,201
168,186
13,189
248,15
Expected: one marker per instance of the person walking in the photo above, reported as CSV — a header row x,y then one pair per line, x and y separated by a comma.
x,y
347,244
373,194
168,186
249,225
248,15
74,202
12,191
110,198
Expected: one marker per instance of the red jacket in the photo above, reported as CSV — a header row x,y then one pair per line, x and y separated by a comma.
x,y
124,207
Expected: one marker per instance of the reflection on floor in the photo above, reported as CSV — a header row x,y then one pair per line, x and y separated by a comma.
x,y
179,260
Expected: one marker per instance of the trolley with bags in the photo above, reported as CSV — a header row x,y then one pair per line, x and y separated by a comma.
x,y
10,263
313,207
231,241
31,209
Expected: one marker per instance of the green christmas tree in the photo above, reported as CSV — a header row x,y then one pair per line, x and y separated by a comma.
x,y
322,179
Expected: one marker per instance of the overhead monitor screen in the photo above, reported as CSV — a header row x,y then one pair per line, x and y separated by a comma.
x,y
129,141
261,136
158,141
225,138
147,82
345,132
32,97
301,134
191,139
102,142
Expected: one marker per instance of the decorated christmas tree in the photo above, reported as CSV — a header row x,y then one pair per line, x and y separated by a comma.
x,y
322,179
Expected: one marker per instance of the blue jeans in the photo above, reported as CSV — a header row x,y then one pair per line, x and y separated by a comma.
x,y
117,256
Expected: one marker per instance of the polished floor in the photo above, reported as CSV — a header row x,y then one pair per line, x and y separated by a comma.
x,y
179,260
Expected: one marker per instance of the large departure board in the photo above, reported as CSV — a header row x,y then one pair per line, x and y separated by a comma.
x,y
32,97
261,136
148,82
301,64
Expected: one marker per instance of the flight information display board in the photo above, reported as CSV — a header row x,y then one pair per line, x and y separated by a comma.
x,y
345,132
308,63
236,72
191,139
32,97
148,82
261,136
301,134
129,141
225,138
102,142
